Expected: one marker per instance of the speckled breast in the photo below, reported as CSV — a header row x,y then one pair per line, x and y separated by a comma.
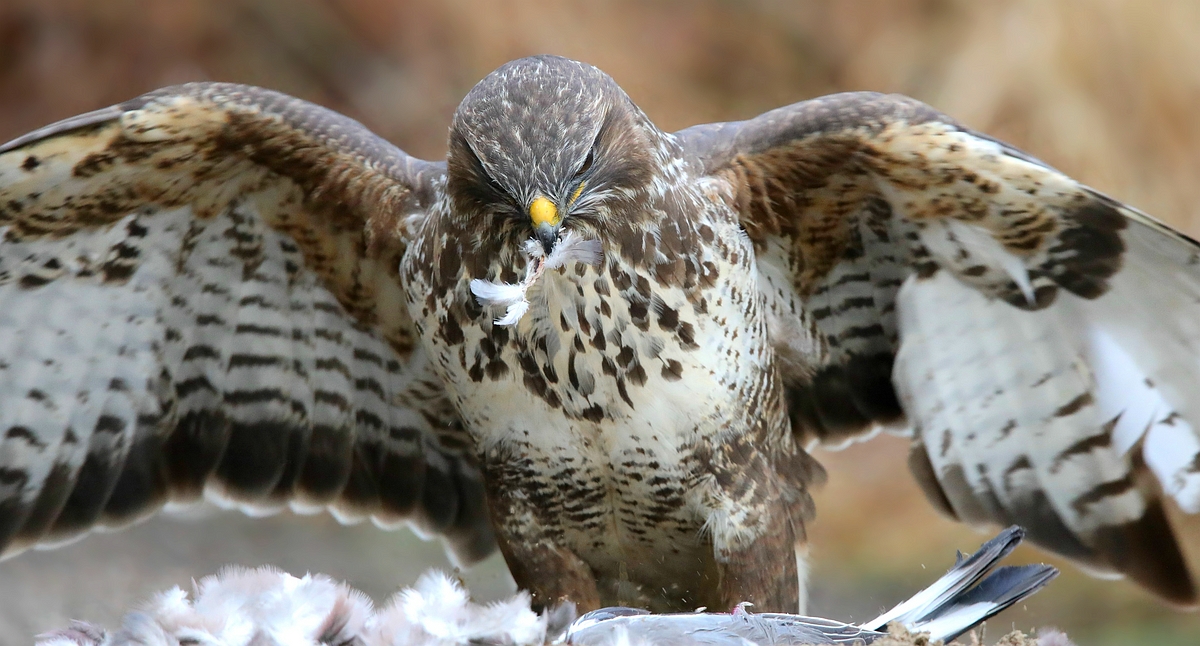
x,y
598,406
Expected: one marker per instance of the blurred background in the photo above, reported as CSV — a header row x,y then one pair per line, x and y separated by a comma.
x,y
1105,90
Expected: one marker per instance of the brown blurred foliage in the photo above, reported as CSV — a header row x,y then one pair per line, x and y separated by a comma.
x,y
1106,90
1103,89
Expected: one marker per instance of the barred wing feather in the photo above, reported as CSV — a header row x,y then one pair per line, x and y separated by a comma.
x,y
199,297
1038,338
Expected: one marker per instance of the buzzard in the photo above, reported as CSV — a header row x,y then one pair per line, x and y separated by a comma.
x,y
223,292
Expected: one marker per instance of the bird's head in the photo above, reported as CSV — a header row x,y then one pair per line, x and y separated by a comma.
x,y
544,143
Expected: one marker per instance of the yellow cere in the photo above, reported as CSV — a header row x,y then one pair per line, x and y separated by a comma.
x,y
543,211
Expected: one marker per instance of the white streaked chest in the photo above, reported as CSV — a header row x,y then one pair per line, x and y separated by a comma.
x,y
605,354
600,396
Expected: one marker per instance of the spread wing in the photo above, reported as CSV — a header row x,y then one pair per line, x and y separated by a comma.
x,y
1041,340
199,296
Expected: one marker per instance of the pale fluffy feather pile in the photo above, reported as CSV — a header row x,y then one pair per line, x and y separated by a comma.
x,y
266,607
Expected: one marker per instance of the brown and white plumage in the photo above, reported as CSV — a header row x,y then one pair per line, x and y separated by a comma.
x,y
1007,305
200,297
222,290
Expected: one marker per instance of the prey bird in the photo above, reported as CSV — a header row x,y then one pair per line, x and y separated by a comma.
x,y
973,591
266,607
603,348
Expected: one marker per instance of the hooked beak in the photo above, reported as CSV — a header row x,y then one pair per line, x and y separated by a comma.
x,y
547,235
546,221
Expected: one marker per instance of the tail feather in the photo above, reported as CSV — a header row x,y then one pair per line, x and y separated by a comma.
x,y
954,584
1004,587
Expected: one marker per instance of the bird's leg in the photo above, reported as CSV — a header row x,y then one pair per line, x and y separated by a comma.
x,y
762,571
526,536
755,521
551,574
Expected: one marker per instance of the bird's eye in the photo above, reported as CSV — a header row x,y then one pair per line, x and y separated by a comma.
x,y
587,163
495,186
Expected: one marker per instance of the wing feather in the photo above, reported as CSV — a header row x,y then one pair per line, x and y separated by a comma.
x,y
1039,338
200,298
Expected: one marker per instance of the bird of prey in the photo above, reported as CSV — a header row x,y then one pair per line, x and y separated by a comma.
x,y
599,346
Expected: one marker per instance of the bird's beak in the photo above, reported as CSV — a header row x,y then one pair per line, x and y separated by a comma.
x,y
546,221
